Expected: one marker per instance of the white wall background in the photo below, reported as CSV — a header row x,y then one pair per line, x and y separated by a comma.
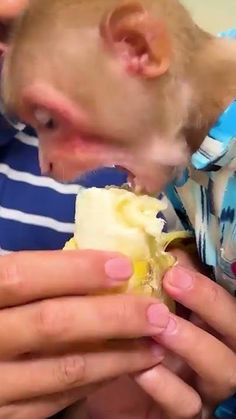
x,y
213,15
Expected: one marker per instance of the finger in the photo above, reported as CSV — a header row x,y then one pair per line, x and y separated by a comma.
x,y
30,379
188,256
30,276
197,321
213,361
173,396
54,323
43,407
206,298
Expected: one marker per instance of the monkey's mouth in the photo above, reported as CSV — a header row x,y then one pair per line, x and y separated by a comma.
x,y
131,178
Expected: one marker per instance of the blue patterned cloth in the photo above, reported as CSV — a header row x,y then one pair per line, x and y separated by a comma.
x,y
227,410
205,200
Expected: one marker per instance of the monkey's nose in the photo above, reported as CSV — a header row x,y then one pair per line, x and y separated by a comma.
x,y
46,166
47,170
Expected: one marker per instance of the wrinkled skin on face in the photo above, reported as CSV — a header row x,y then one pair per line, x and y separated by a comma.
x,y
105,82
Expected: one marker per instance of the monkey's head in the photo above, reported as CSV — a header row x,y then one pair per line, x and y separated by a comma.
x,y
103,83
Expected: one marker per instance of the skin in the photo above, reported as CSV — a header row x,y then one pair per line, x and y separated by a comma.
x,y
47,402
32,330
45,361
200,374
211,378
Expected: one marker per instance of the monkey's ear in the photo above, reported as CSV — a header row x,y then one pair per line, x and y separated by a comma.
x,y
140,39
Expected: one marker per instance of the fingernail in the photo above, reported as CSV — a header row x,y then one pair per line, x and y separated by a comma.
x,y
179,278
171,326
157,350
158,315
118,269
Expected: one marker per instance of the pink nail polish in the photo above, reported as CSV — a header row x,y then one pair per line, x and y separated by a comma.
x,y
179,278
118,269
158,315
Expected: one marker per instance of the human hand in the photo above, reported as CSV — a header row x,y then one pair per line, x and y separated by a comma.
x,y
46,321
203,370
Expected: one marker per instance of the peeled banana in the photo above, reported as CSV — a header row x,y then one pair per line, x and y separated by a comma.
x,y
117,219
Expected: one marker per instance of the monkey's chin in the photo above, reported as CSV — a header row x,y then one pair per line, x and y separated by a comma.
x,y
152,185
140,184
131,179
147,188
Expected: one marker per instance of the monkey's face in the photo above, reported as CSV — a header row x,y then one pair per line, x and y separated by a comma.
x,y
110,102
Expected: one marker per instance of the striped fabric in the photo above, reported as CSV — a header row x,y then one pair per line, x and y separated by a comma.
x,y
36,213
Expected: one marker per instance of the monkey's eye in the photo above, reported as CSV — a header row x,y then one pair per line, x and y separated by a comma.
x,y
45,119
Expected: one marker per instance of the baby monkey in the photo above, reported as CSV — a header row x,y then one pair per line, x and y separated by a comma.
x,y
136,84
